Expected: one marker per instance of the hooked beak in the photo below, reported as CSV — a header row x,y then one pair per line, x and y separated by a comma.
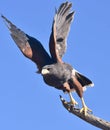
x,y
45,71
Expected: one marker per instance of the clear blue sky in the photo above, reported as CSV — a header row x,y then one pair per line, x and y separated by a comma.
x,y
26,102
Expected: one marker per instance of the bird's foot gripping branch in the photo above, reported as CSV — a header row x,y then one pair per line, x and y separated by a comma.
x,y
88,117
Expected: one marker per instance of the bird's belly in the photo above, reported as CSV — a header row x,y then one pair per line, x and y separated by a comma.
x,y
54,81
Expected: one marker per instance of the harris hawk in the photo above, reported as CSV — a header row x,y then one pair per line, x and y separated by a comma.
x,y
55,72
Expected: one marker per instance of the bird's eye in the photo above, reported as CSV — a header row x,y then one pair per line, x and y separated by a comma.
x,y
48,68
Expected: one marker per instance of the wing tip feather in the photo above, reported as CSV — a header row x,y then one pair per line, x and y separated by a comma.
x,y
7,22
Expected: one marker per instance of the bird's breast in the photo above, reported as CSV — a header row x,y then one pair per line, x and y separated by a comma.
x,y
54,81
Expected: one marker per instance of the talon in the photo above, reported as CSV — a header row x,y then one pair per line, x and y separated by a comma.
x,y
85,110
73,102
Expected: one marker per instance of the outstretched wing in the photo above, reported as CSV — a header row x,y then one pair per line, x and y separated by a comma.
x,y
29,46
60,30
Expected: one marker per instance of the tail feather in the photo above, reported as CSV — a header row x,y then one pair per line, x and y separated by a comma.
x,y
83,80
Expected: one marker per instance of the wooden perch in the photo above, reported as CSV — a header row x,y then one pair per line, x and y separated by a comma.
x,y
90,118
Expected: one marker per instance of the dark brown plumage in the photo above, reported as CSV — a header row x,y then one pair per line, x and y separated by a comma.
x,y
55,72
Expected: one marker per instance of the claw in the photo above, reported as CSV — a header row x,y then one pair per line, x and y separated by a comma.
x,y
73,102
85,110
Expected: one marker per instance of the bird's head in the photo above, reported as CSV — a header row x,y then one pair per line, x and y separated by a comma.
x,y
45,71
48,70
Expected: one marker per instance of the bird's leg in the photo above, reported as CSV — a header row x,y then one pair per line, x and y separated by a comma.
x,y
72,100
66,87
84,109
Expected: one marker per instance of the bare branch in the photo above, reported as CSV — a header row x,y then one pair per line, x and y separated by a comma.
x,y
90,118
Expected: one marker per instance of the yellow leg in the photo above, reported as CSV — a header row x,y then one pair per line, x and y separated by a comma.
x,y
84,109
72,100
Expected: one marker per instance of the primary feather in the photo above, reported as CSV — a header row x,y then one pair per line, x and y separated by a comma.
x,y
60,30
29,46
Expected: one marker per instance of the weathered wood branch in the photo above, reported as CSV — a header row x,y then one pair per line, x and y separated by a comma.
x,y
90,118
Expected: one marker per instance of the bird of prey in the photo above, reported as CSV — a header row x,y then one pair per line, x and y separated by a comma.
x,y
55,72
